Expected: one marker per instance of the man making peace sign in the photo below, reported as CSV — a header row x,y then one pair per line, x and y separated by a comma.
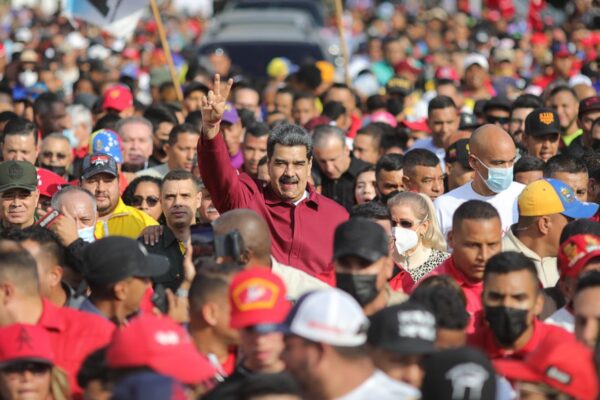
x,y
301,221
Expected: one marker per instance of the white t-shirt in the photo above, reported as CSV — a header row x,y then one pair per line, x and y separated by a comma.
x,y
505,202
427,144
381,387
563,318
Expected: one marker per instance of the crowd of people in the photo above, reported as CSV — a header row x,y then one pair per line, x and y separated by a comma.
x,y
426,226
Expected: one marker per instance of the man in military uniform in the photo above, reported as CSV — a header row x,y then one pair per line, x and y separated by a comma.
x,y
18,194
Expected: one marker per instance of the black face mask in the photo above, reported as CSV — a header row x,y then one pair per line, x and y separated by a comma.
x,y
507,323
59,170
362,287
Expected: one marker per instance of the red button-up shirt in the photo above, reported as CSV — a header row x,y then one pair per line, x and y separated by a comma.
x,y
472,291
302,235
484,339
74,336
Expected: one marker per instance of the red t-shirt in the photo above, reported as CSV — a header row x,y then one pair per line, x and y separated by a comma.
x,y
484,339
472,291
74,335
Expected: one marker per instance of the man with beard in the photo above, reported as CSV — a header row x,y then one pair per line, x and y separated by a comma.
x,y
512,299
100,176
136,137
179,199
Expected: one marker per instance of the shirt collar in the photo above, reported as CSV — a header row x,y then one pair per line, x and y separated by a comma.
x,y
52,318
168,236
272,199
120,209
459,276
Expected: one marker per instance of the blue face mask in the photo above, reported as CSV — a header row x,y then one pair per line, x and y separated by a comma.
x,y
87,234
499,179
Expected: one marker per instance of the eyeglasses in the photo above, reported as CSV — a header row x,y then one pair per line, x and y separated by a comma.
x,y
49,154
21,367
139,200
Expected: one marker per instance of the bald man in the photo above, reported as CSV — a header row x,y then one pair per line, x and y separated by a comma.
x,y
257,242
492,157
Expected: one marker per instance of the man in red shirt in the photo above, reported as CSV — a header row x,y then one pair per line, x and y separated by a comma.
x,y
512,300
301,221
476,236
73,334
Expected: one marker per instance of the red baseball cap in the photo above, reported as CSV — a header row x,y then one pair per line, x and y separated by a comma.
x,y
117,97
21,342
575,252
407,65
565,365
539,38
257,298
49,183
419,125
159,343
446,74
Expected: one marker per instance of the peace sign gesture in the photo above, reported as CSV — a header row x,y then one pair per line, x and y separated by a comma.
x,y
213,106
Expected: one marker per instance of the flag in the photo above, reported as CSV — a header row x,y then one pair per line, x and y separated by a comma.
x,y
117,17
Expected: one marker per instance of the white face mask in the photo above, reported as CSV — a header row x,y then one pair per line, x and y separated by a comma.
x,y
87,234
28,78
406,239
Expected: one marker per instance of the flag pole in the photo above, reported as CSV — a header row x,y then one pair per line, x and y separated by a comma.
x,y
166,49
339,9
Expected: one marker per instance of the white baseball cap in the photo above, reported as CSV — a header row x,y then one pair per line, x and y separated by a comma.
x,y
476,58
329,316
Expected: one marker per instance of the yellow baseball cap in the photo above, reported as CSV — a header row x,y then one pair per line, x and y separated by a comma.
x,y
551,196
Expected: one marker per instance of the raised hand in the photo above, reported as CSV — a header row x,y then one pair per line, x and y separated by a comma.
x,y
213,105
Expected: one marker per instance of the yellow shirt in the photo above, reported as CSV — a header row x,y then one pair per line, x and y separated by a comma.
x,y
125,221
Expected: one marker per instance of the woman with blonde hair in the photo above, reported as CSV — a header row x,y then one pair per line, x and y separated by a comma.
x,y
420,245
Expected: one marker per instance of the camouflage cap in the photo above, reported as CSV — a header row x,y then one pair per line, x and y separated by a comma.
x,y
17,175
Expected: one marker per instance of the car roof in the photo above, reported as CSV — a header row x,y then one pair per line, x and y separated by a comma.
x,y
313,8
267,18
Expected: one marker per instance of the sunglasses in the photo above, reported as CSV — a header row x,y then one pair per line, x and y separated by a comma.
x,y
497,120
139,200
405,223
21,367
49,154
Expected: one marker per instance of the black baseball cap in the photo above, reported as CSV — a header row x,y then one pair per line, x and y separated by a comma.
x,y
496,102
18,175
464,373
542,121
468,121
362,238
114,258
407,328
589,104
98,163
458,152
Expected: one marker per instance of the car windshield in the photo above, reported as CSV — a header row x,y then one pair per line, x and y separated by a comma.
x,y
253,57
